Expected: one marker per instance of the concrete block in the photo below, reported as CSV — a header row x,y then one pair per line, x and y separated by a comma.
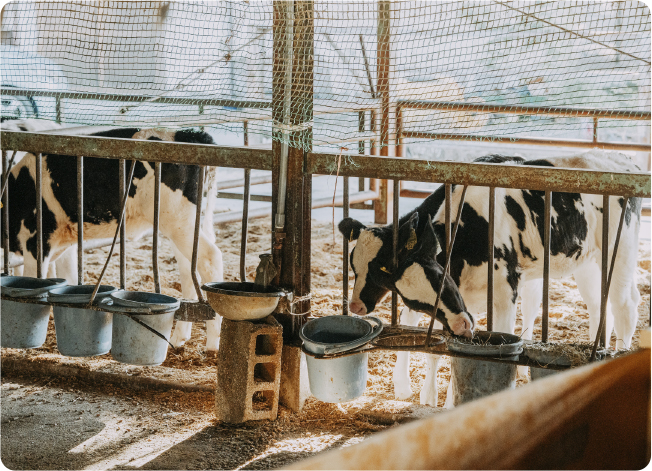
x,y
248,370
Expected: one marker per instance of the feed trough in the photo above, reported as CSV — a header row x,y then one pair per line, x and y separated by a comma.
x,y
473,379
242,301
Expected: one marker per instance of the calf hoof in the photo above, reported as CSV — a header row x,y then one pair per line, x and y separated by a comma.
x,y
402,392
522,372
428,397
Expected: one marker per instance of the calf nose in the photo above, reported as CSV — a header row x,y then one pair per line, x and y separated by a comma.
x,y
463,326
357,307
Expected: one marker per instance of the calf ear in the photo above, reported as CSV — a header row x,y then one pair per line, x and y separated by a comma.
x,y
350,228
407,233
429,244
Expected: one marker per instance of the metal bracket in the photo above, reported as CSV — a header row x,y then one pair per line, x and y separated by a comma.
x,y
194,311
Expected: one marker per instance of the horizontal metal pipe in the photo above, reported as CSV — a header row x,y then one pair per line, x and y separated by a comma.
x,y
138,149
533,110
225,185
239,196
484,174
526,141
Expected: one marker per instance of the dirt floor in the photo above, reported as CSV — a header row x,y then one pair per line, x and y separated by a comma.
x,y
51,422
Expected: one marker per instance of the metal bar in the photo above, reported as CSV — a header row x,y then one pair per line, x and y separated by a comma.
x,y
195,244
57,108
484,174
530,110
527,141
345,249
361,144
245,225
7,166
395,220
546,264
39,216
382,87
604,267
447,266
80,220
239,196
490,264
139,149
5,212
448,209
366,66
601,333
241,183
595,130
155,228
137,99
123,223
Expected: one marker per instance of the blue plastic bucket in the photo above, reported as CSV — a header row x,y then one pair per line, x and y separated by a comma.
x,y
340,379
81,332
133,343
25,325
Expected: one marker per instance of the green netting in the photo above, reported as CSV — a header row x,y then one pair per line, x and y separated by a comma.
x,y
185,64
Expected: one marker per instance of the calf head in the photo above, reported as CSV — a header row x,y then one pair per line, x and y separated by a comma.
x,y
418,279
371,259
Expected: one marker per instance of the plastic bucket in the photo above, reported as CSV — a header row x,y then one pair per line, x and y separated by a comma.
x,y
133,343
81,332
472,379
340,379
25,325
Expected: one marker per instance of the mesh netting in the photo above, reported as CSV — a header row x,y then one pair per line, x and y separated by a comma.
x,y
184,64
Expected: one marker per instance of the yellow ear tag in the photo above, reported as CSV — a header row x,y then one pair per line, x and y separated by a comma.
x,y
412,240
351,236
385,270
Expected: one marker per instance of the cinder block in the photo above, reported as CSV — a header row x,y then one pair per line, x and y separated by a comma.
x,y
248,370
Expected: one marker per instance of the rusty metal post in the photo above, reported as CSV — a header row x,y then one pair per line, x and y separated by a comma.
x,y
39,216
345,250
395,228
605,267
80,220
157,213
245,209
195,244
361,145
448,208
490,263
546,264
383,93
293,260
123,226
5,212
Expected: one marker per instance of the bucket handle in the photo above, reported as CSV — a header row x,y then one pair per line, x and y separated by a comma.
x,y
375,331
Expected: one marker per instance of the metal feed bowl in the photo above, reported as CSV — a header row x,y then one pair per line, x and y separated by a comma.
x,y
244,301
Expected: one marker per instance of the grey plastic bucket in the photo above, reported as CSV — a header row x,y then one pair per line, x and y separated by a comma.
x,y
133,343
472,379
81,332
340,379
25,325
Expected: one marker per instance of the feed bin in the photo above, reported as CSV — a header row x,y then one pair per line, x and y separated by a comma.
x,y
25,325
81,332
340,379
142,329
473,379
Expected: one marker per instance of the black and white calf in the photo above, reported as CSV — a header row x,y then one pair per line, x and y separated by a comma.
x,y
102,210
575,249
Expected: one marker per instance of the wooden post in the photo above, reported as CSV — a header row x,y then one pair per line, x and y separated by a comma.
x,y
294,255
383,59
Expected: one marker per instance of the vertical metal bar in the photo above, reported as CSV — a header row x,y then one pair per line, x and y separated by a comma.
x,y
245,211
448,208
195,244
39,216
80,220
605,266
595,129
395,249
546,264
123,230
361,145
345,250
155,229
490,264
58,109
5,212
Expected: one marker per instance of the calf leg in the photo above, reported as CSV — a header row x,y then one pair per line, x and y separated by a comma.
x,y
402,388
183,329
588,280
66,265
623,293
531,296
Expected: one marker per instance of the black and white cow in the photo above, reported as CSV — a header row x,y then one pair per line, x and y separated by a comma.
x,y
575,249
102,210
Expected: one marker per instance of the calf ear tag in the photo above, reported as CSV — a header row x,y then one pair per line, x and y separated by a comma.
x,y
385,270
412,240
351,236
